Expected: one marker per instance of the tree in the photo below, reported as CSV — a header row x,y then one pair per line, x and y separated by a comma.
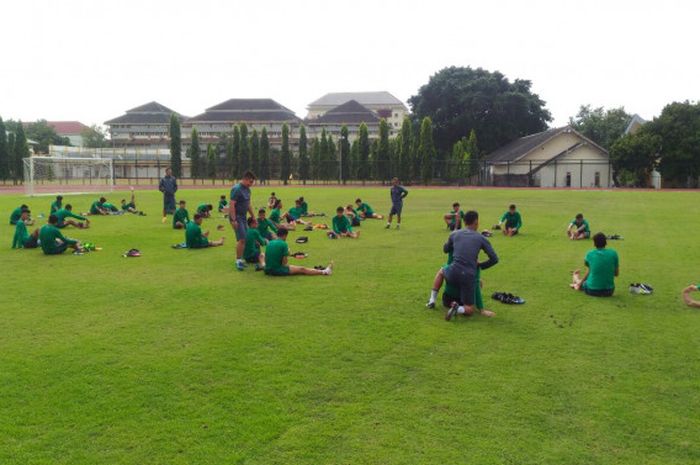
x,y
44,135
363,147
303,156
603,127
244,150
415,144
175,146
426,150
323,157
212,158
264,173
4,153
678,127
383,151
315,159
354,159
194,154
255,152
634,157
404,156
235,152
373,159
332,163
95,137
344,155
21,151
286,156
460,99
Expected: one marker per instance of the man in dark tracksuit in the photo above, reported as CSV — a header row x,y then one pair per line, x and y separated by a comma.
x,y
465,245
398,193
168,186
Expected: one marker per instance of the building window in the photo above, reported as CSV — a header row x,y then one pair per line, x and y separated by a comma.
x,y
568,179
597,179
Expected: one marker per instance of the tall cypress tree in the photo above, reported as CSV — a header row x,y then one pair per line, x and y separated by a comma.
x,y
175,146
255,152
303,156
426,149
344,155
195,155
415,144
21,150
315,159
236,153
244,150
211,161
373,161
404,159
286,156
323,165
363,162
383,151
4,153
354,159
264,173
332,160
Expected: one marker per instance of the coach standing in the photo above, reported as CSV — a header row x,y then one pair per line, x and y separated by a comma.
x,y
168,186
238,208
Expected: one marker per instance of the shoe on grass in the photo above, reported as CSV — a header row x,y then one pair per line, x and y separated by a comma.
x,y
430,305
452,311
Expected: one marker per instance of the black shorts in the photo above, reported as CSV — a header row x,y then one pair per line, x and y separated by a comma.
x,y
254,259
597,292
447,300
464,279
169,203
60,248
396,209
31,243
514,232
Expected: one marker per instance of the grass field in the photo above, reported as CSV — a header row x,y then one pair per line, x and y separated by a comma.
x,y
177,358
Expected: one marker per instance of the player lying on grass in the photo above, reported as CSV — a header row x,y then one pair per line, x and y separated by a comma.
x,y
511,221
131,205
17,214
455,218
52,241
689,301
603,266
22,239
578,229
253,241
204,210
266,227
353,216
465,245
181,216
276,255
223,204
195,238
57,204
341,225
67,212
451,293
397,194
366,211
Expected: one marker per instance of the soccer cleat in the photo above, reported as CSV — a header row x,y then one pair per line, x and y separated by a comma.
x,y
258,267
240,266
452,311
430,305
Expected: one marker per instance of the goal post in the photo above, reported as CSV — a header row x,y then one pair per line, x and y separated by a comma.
x,y
55,175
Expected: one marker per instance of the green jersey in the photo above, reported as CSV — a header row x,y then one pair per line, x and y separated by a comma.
x,y
223,203
181,216
253,241
512,220
304,208
457,215
366,209
96,207
584,223
56,205
62,214
341,224
48,234
127,206
110,207
265,225
202,208
275,215
274,254
21,235
16,215
295,212
602,264
194,237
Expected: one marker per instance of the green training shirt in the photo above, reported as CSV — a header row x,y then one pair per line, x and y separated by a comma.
x,y
264,224
275,215
193,236
366,209
48,235
222,204
274,254
63,213
15,215
513,220
253,241
341,224
304,208
56,205
95,207
586,227
295,212
602,264
181,216
127,206
21,235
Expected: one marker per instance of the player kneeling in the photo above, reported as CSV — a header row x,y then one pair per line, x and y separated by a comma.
x,y
276,256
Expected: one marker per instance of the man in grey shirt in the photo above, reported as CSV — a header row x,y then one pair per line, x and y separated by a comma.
x,y
465,245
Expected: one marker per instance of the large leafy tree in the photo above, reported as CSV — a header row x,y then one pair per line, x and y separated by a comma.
x,y
344,154
4,153
21,151
459,99
363,148
94,137
678,126
285,156
175,146
634,157
255,152
304,167
426,150
194,154
383,151
44,135
244,149
602,126
264,173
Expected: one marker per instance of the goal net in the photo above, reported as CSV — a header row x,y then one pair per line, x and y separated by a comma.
x,y
55,175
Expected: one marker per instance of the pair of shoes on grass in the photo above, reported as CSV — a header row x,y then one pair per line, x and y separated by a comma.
x,y
641,289
507,298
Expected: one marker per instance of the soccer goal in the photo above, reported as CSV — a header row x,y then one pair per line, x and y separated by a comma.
x,y
55,175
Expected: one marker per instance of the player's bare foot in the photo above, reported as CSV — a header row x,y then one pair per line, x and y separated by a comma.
x,y
488,313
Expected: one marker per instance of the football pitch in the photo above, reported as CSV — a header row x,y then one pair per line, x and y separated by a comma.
x,y
176,357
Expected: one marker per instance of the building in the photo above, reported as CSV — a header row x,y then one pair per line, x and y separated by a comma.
x,y
350,114
73,130
146,126
560,157
635,124
256,113
383,104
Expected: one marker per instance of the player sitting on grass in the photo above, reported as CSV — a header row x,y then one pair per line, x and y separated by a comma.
x,y
253,241
195,239
266,227
97,207
272,201
353,216
52,241
181,216
67,212
511,222
276,255
578,229
223,204
57,204
341,225
366,211
397,194
293,216
603,266
689,301
17,214
455,218
465,245
131,206
204,209
22,239
276,217
110,207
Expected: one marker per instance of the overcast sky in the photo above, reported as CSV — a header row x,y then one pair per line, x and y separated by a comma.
x,y
90,60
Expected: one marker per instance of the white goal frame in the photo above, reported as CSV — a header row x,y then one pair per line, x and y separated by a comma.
x,y
69,178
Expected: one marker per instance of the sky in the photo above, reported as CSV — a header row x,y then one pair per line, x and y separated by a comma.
x,y
91,60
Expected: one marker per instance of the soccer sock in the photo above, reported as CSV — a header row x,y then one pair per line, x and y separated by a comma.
x,y
460,310
433,295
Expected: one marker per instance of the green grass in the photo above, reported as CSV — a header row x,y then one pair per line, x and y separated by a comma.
x,y
177,358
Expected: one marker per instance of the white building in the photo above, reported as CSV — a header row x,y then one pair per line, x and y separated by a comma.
x,y
383,104
145,126
73,130
351,115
